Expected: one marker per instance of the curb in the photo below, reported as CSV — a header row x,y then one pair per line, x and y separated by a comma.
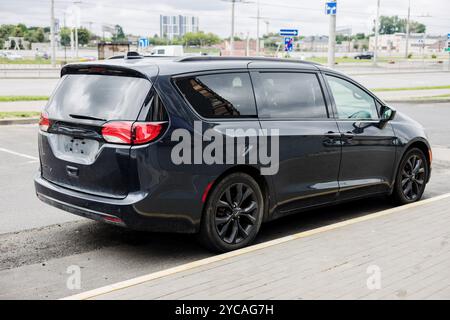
x,y
418,101
4,122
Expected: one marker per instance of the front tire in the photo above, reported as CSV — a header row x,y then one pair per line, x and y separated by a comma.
x,y
233,213
412,177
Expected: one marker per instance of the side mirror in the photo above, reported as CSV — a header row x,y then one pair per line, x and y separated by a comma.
x,y
387,114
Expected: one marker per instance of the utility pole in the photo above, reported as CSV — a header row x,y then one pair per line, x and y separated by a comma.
x,y
52,32
233,5
377,32
332,40
258,18
407,29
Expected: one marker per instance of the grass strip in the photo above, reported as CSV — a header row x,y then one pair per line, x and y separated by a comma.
x,y
22,98
18,114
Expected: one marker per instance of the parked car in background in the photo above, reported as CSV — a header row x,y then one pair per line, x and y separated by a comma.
x,y
106,143
364,55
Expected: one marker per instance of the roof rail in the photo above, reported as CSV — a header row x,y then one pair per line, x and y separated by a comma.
x,y
216,58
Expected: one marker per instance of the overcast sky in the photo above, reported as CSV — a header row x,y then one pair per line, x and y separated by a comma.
x,y
141,17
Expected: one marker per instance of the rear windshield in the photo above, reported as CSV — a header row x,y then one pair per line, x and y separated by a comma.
x,y
98,96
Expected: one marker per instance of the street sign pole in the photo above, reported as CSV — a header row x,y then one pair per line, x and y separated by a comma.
x,y
331,11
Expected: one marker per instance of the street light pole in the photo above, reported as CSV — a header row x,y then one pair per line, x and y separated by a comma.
x,y
332,40
52,32
377,32
407,29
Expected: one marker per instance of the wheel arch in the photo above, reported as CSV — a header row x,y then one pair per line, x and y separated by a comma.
x,y
262,181
421,144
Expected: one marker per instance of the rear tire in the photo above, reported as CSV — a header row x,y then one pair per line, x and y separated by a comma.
x,y
412,177
233,213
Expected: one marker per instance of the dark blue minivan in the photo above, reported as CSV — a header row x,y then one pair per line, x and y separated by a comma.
x,y
216,146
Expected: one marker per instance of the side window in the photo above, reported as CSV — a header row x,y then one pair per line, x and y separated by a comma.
x,y
351,101
291,95
220,95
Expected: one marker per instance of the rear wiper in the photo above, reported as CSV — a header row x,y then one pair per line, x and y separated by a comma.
x,y
79,116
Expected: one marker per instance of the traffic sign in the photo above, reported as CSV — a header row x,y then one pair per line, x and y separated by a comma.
x,y
143,42
331,8
448,36
289,32
288,44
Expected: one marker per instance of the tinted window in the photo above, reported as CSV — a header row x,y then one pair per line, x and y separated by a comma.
x,y
292,95
220,95
351,101
99,96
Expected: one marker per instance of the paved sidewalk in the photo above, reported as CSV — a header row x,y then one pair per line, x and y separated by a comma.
x,y
406,248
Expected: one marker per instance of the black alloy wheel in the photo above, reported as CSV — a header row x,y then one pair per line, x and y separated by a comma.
x,y
233,213
236,213
412,177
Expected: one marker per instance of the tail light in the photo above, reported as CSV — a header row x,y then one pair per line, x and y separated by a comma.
x,y
44,122
128,132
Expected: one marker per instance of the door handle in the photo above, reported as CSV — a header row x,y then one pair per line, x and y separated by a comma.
x,y
332,135
348,135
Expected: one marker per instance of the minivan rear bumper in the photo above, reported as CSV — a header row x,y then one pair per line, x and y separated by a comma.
x,y
121,212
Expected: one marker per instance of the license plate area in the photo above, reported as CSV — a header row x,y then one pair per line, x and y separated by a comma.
x,y
72,149
75,146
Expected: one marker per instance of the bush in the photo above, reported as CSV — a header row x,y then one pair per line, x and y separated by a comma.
x,y
433,56
410,56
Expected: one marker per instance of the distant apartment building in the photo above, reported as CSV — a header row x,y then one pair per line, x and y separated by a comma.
x,y
177,26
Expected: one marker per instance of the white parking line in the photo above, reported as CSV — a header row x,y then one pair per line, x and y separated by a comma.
x,y
19,154
164,273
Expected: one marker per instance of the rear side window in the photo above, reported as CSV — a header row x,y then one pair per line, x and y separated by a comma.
x,y
291,95
220,95
99,96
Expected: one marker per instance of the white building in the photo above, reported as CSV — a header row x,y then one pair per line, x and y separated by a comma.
x,y
419,43
177,26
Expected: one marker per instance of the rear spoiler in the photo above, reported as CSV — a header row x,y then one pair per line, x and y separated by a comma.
x,y
102,69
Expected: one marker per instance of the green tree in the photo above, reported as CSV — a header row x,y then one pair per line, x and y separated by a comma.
x,y
119,34
34,35
65,36
200,39
83,36
393,24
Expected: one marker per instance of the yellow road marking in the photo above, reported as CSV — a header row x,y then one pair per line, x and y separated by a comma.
x,y
191,265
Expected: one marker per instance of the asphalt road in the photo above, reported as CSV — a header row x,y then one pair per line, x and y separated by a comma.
x,y
38,243
45,86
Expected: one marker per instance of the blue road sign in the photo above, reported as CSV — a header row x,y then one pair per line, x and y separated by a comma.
x,y
288,44
143,42
448,36
331,8
289,32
